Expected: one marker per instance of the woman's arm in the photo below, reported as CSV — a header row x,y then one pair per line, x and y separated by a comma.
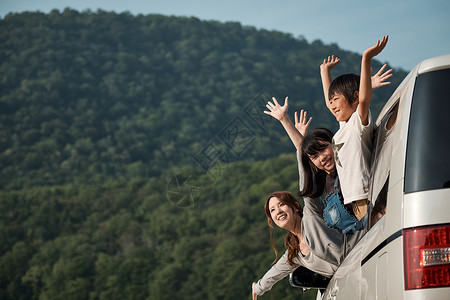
x,y
281,269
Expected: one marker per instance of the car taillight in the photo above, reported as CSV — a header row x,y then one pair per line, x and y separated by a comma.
x,y
427,257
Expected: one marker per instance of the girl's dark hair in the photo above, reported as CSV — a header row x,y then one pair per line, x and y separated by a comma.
x,y
314,179
346,85
291,241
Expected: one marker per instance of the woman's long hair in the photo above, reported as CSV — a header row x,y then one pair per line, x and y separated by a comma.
x,y
313,143
291,241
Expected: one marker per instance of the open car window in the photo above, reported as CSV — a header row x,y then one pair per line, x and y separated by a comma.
x,y
381,162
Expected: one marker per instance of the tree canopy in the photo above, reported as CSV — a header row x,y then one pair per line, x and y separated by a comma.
x,y
91,96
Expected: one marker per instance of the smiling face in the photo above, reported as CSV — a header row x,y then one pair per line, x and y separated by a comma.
x,y
324,160
282,214
343,96
341,108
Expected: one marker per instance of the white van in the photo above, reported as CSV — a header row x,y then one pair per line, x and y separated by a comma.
x,y
406,253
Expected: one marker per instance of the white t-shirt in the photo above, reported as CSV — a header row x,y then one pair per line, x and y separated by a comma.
x,y
352,146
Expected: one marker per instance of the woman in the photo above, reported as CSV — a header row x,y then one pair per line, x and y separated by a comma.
x,y
310,242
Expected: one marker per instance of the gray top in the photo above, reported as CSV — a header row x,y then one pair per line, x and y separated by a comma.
x,y
327,246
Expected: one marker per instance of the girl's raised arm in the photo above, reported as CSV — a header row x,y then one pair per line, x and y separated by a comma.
x,y
295,132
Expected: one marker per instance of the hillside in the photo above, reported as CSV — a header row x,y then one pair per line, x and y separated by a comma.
x,y
91,96
130,241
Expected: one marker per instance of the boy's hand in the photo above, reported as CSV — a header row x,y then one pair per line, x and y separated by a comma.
x,y
302,126
329,63
375,50
379,79
276,110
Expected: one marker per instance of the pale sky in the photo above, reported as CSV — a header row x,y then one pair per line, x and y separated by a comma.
x,y
418,29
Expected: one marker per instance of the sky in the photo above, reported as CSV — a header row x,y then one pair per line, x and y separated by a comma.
x,y
417,29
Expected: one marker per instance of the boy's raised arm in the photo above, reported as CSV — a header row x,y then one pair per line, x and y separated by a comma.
x,y
365,87
325,74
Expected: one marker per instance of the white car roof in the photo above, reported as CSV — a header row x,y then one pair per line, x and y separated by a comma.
x,y
435,63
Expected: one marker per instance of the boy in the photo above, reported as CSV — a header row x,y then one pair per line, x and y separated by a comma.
x,y
348,98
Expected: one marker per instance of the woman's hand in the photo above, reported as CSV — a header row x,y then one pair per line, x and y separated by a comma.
x,y
302,125
276,110
254,296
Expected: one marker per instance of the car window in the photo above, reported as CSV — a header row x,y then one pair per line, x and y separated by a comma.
x,y
381,163
428,145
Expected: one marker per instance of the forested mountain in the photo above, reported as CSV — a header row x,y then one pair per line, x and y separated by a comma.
x,y
88,96
134,155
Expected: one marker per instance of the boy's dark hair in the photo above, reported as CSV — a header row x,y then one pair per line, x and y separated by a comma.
x,y
346,85
314,179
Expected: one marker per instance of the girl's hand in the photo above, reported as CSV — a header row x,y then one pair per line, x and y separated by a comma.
x,y
329,63
379,79
276,110
302,125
